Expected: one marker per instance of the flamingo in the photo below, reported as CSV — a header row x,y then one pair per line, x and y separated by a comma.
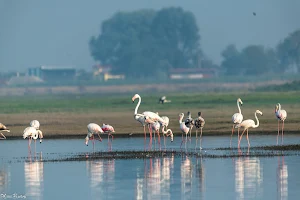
x,y
93,129
189,122
32,133
249,123
183,128
3,128
281,116
167,132
163,100
237,118
199,124
147,117
157,125
108,129
36,124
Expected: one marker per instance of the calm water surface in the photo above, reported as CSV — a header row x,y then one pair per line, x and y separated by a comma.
x,y
26,175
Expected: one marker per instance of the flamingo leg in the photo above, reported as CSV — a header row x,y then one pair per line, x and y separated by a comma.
x,y
144,132
241,137
282,132
278,132
181,140
232,134
248,139
150,131
201,138
100,139
3,137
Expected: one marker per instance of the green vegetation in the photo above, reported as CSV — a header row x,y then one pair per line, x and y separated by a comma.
x,y
111,103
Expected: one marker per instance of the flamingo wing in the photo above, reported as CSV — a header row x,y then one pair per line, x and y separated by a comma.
x,y
237,118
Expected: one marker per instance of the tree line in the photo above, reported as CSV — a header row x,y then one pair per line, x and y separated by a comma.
x,y
148,43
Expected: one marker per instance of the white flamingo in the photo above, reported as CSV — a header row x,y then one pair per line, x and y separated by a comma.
x,y
3,128
93,129
281,116
167,132
237,118
199,124
184,129
36,124
249,123
156,127
147,117
32,133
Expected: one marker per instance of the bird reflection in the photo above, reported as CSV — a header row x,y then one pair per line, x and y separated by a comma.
x,y
200,173
186,178
4,179
282,179
248,177
155,184
101,174
34,176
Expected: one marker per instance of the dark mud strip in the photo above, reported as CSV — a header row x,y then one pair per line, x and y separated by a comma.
x,y
258,151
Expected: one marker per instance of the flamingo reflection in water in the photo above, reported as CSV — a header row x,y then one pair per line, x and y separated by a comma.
x,y
101,174
248,177
282,179
156,181
34,176
4,180
186,178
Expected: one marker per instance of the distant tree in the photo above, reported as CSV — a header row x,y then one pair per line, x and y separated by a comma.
x,y
256,60
252,60
146,43
232,63
288,51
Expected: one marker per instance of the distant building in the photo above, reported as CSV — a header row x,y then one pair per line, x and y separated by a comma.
x,y
103,73
53,73
192,73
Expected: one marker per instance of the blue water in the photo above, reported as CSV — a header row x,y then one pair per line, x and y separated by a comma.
x,y
23,174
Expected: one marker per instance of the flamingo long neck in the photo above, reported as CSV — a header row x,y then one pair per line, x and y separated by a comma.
x,y
279,107
238,105
180,119
137,105
256,125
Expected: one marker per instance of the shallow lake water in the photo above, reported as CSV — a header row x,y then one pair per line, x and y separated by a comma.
x,y
46,173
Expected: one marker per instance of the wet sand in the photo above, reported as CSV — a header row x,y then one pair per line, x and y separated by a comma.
x,y
71,124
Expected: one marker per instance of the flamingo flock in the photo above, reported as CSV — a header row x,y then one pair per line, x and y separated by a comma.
x,y
158,125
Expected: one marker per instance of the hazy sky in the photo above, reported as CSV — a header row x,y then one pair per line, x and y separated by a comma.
x,y
56,32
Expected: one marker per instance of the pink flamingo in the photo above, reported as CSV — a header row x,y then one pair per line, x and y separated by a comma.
x,y
167,132
3,128
237,118
281,116
249,123
108,129
183,128
93,129
189,122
